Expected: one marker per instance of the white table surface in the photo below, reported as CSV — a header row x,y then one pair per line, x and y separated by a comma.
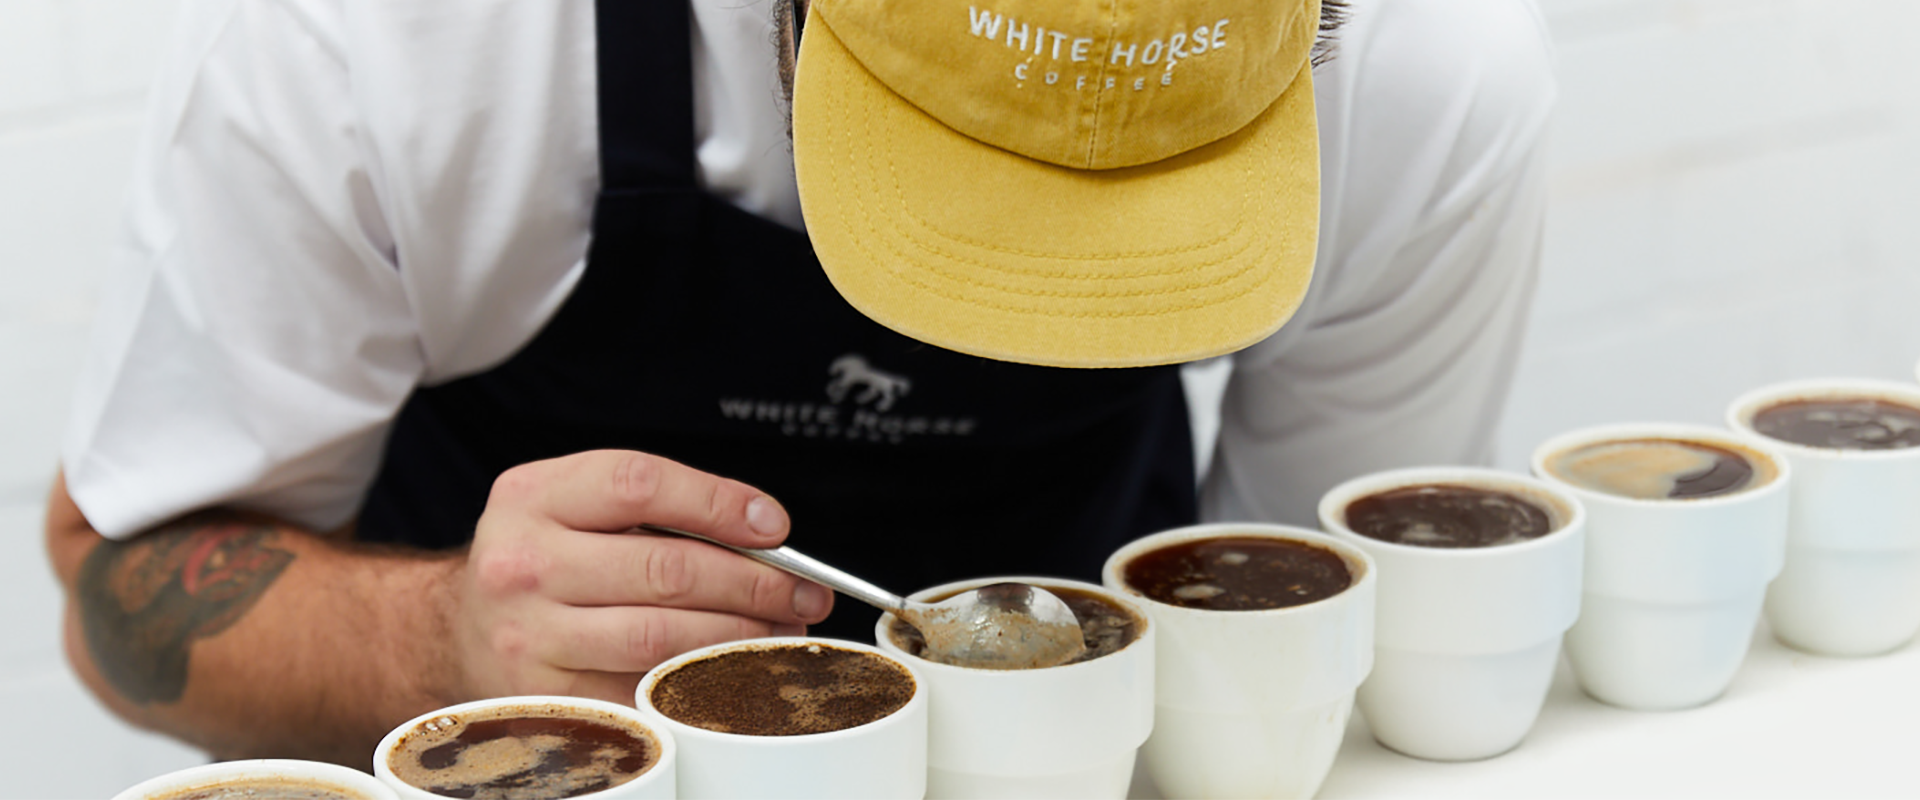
x,y
1792,725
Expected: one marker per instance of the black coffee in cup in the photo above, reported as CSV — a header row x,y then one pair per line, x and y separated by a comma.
x,y
263,788
1842,423
523,752
783,690
1660,468
1448,515
1238,573
1106,627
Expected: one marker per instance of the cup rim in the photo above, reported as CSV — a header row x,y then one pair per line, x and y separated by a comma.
x,y
1336,499
644,703
1358,560
1595,434
1739,413
187,778
880,626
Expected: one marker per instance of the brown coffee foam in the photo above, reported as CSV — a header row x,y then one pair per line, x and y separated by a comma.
x,y
783,690
1229,571
1765,469
1559,513
1821,390
1448,514
1800,422
507,760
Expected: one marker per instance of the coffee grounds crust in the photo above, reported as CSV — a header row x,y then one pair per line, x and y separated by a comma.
x,y
783,690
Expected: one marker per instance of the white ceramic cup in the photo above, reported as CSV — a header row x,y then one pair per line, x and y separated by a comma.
x,y
1252,703
1851,586
347,781
1465,639
657,783
1055,732
885,758
1673,587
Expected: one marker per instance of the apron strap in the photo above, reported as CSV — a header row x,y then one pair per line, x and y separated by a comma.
x,y
645,58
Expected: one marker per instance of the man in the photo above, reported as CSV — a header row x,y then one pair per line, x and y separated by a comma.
x,y
426,306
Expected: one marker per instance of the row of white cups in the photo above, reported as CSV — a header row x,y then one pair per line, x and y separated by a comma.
x,y
1447,652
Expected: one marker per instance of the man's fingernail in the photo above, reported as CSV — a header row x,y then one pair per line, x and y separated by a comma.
x,y
810,601
765,517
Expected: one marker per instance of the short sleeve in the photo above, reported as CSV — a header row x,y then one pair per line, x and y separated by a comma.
x,y
254,337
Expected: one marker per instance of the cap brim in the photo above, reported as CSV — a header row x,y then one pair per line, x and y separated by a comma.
x,y
980,250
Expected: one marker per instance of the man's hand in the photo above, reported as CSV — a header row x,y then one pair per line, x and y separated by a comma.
x,y
252,638
560,596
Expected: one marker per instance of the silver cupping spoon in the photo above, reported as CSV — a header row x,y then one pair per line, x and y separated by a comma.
x,y
999,626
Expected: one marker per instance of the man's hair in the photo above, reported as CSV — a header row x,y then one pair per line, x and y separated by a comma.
x,y
1333,14
787,18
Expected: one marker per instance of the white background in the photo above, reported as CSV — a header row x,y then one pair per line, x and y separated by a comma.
x,y
1736,200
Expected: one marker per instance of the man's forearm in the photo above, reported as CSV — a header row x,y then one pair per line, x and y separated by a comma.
x,y
252,638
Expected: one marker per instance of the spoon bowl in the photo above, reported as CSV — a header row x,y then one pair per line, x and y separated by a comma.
x,y
999,626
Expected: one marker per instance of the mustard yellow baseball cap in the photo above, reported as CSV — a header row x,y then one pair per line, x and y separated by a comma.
x,y
1073,183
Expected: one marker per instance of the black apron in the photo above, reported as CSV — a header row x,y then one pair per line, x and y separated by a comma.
x,y
711,336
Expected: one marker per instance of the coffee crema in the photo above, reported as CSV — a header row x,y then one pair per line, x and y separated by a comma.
x,y
1238,573
529,752
1846,423
783,690
1447,515
1657,469
264,788
1105,627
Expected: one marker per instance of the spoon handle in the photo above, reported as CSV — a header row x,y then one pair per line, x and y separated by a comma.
x,y
793,561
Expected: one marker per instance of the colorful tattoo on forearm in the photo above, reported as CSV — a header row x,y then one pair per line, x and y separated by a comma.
x,y
143,602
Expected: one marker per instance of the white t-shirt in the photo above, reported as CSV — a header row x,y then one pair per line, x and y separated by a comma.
x,y
338,200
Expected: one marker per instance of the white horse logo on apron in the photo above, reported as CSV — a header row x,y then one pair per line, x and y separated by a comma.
x,y
851,371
